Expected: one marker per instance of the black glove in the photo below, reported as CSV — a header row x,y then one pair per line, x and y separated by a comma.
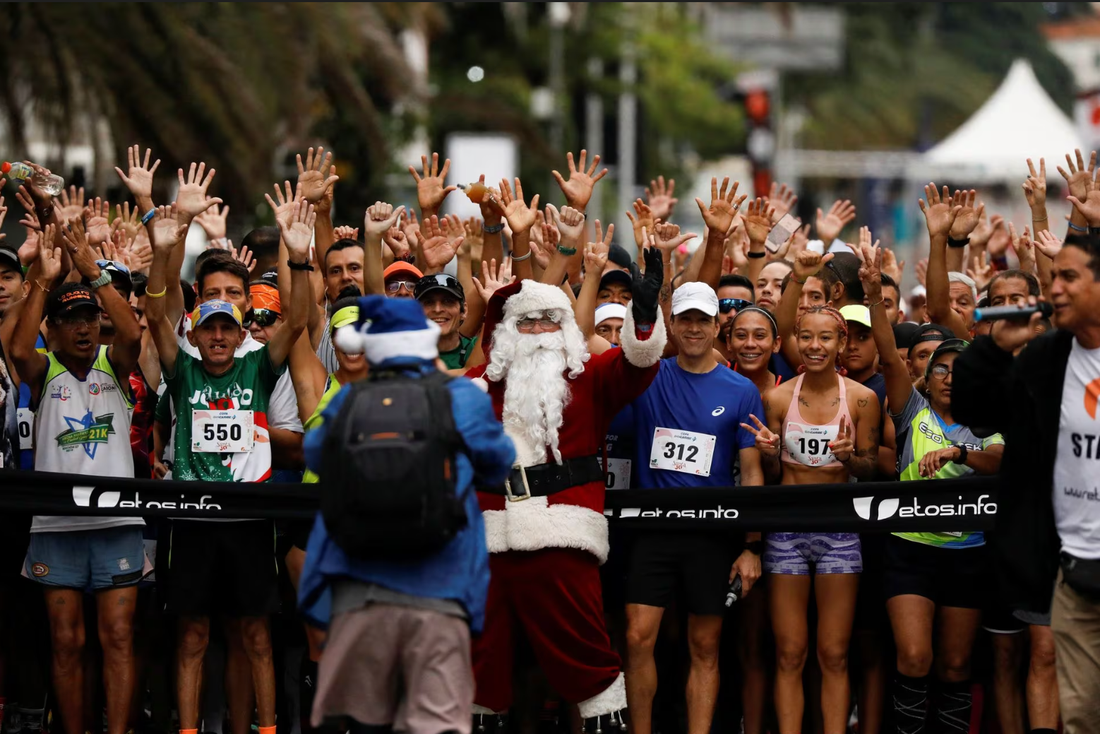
x,y
647,287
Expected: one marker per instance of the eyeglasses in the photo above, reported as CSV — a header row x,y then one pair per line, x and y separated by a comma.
x,y
725,305
395,286
941,371
262,317
529,324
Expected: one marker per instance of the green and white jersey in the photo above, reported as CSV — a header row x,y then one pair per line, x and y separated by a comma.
x,y
920,431
221,432
83,427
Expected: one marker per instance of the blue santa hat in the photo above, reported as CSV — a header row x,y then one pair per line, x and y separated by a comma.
x,y
390,328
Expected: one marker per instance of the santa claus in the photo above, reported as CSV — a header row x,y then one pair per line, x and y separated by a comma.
x,y
545,528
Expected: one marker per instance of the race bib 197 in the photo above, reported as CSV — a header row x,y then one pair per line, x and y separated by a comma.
x,y
618,473
25,420
683,451
222,431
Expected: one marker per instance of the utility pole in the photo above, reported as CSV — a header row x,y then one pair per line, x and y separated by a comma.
x,y
593,129
628,128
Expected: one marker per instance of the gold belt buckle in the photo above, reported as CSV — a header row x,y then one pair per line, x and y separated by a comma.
x,y
508,486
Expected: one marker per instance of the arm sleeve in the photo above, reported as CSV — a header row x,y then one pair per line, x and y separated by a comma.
x,y
489,450
982,377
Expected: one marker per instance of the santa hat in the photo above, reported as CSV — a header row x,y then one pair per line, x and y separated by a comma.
x,y
521,298
390,328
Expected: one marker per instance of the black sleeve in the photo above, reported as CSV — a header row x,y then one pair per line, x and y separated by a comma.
x,y
981,383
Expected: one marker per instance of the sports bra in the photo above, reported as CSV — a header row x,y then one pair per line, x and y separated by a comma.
x,y
808,443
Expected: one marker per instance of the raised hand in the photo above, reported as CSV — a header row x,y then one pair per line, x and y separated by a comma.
x,y
1023,247
312,183
870,271
49,257
843,447
492,278
982,233
808,263
283,202
1047,243
97,221
380,217
71,203
1089,205
666,237
644,220
659,198
724,204
796,244
968,216
213,222
939,211
411,227
758,216
430,191
1079,178
28,251
1035,187
475,235
829,226
782,201
578,189
140,178
569,223
344,232
127,221
83,256
520,216
737,247
892,266
396,240
192,199
595,257
981,269
999,241
297,231
647,286
139,252
438,247
767,443
169,228
921,269
30,218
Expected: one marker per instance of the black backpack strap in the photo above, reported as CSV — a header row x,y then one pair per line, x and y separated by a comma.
x,y
439,398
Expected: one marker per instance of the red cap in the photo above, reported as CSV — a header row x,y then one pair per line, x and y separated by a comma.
x,y
6,167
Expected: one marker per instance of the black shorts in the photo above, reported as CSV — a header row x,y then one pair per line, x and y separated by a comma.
x,y
870,603
951,577
298,531
694,565
222,568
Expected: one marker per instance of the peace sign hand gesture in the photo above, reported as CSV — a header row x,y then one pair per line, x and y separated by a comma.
x,y
767,443
843,447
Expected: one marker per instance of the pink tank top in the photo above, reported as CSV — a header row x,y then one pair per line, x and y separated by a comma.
x,y
808,443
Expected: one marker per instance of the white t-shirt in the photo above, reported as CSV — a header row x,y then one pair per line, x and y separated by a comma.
x,y
1077,467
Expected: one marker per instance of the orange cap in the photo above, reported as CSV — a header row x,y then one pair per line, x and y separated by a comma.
x,y
400,266
266,296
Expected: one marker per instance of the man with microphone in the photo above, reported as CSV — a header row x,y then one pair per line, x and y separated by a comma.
x,y
1045,403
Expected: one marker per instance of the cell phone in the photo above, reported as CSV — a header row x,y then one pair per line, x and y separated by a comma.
x,y
735,591
783,230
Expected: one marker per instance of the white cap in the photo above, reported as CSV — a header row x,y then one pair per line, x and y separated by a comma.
x,y
694,296
610,311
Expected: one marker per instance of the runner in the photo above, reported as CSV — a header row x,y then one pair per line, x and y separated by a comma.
x,y
615,287
769,284
932,579
922,345
609,322
221,434
400,279
444,303
82,399
688,423
821,428
753,340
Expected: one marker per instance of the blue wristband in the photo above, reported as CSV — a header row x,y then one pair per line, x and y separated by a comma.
x,y
149,215
1077,228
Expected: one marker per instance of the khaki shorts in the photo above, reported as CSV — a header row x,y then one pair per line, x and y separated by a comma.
x,y
400,666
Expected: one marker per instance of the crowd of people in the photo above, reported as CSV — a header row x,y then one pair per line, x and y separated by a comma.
x,y
749,362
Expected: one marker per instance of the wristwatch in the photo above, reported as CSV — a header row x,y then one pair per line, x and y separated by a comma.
x,y
963,453
103,279
756,547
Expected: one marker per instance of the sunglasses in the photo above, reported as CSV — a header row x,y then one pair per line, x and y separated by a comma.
x,y
725,305
262,317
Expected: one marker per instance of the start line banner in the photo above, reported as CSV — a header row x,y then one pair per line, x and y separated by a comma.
x,y
945,505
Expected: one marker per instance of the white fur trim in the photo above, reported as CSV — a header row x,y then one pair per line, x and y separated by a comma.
x,y
422,343
535,524
480,382
482,711
535,296
349,339
611,700
643,353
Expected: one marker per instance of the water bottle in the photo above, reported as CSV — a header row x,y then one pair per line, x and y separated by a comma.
x,y
51,183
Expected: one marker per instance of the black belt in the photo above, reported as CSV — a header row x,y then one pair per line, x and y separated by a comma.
x,y
544,480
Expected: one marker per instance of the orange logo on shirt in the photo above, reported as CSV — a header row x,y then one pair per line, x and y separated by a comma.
x,y
1092,395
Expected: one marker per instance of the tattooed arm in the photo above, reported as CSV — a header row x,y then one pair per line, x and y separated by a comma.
x,y
864,407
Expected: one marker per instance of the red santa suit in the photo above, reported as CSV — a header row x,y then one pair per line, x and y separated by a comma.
x,y
546,551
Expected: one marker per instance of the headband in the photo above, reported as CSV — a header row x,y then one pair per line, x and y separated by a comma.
x,y
757,309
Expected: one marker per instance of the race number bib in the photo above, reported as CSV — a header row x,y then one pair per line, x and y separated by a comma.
x,y
618,473
809,444
25,421
682,451
222,431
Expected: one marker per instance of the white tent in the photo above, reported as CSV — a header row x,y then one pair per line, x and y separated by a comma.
x,y
1018,122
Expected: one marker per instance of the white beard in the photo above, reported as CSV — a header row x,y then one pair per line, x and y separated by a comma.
x,y
536,393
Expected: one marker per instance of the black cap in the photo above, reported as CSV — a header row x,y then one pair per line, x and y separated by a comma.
x,y
617,276
439,282
931,333
271,277
11,258
68,298
903,333
950,345
619,256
